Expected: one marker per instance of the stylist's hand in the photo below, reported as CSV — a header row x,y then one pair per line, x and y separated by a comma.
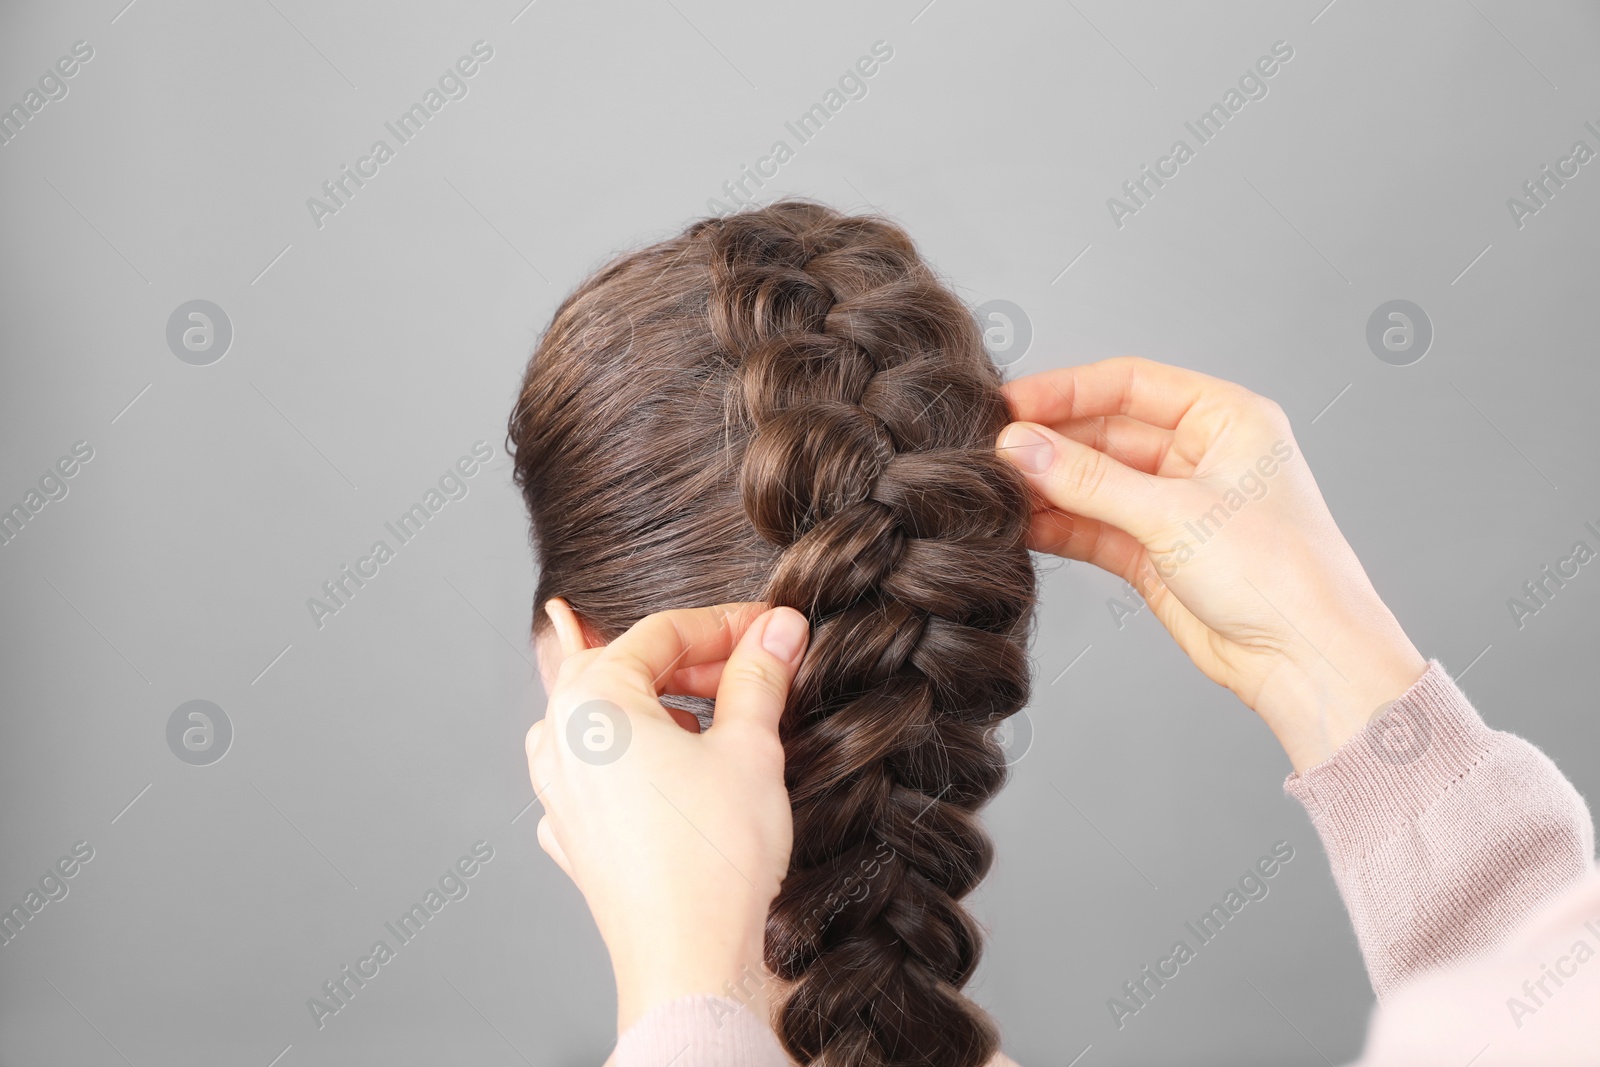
x,y
680,841
1193,490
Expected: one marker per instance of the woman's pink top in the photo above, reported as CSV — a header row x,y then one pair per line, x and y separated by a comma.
x,y
1466,861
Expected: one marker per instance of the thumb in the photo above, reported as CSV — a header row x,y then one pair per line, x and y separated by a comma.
x,y
756,677
1084,481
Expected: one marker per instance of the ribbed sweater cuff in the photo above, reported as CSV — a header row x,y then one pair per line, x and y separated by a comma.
x,y
699,1031
1395,769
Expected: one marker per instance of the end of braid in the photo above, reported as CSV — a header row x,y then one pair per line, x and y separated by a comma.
x,y
871,409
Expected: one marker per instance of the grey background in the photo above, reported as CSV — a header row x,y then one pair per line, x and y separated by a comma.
x,y
370,353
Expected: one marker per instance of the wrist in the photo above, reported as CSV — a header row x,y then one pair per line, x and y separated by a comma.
x,y
1316,705
727,964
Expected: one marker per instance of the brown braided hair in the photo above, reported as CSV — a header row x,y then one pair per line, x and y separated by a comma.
x,y
787,405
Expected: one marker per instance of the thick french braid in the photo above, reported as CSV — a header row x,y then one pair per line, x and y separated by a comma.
x,y
871,466
786,404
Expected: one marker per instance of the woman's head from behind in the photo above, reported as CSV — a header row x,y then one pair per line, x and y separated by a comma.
x,y
786,405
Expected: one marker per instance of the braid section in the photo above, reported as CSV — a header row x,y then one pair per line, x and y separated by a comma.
x,y
871,409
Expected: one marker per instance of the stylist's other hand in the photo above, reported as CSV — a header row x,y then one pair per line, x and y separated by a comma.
x,y
677,840
1193,490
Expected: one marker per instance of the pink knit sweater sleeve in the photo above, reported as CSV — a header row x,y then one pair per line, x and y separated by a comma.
x,y
699,1031
1443,835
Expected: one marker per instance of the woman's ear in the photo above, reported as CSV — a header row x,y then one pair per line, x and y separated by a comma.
x,y
567,635
570,631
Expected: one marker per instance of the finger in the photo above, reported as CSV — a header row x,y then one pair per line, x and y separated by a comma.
x,y
756,678
1089,540
552,847
1077,479
574,665
1099,544
1157,393
701,680
1131,442
646,656
1052,531
1113,551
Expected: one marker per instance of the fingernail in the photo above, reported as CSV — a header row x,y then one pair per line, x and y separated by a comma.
x,y
785,633
1027,448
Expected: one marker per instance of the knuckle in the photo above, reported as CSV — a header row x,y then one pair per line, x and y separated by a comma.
x,y
755,674
1086,471
767,753
609,689
760,751
572,666
656,619
661,624
1262,410
1272,413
